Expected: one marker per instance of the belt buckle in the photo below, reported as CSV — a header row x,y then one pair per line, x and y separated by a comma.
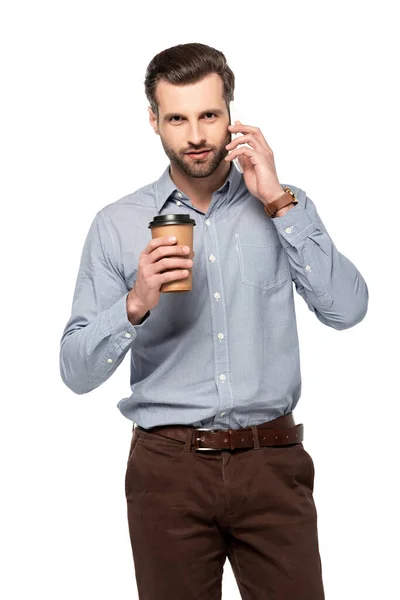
x,y
197,438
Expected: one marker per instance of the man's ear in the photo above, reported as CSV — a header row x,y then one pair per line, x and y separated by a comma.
x,y
153,121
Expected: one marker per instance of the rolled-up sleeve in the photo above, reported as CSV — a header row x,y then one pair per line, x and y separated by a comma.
x,y
98,334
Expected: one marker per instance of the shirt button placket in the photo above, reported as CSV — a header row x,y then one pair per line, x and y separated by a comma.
x,y
219,309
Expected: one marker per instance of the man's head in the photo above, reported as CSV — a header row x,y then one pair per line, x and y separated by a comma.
x,y
189,88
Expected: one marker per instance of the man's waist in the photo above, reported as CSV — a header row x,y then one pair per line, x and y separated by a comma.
x,y
279,431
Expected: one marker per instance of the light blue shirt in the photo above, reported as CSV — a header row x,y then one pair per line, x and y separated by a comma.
x,y
225,355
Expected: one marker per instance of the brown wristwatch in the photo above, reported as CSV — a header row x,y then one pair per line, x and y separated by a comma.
x,y
271,208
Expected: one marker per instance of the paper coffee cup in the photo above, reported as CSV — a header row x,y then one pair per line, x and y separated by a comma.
x,y
181,226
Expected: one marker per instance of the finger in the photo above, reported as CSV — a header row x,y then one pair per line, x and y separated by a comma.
x,y
249,139
157,242
172,275
167,263
243,150
256,131
167,251
240,128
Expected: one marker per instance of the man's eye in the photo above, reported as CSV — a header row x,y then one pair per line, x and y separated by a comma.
x,y
178,117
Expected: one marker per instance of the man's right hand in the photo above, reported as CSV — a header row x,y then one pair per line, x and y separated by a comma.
x,y
155,259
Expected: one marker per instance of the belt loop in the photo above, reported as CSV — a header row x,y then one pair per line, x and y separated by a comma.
x,y
256,441
188,442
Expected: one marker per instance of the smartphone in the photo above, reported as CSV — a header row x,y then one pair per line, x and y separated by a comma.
x,y
234,116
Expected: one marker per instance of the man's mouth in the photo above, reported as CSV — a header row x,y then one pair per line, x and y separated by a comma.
x,y
198,154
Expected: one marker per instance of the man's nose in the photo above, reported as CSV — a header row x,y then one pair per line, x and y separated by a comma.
x,y
196,136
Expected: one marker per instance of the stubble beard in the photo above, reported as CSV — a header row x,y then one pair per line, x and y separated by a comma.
x,y
202,168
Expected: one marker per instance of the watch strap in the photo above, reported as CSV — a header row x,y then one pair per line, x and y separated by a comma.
x,y
287,198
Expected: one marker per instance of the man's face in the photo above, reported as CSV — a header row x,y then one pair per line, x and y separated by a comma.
x,y
193,117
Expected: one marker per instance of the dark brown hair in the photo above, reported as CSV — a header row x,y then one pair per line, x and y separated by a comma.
x,y
184,64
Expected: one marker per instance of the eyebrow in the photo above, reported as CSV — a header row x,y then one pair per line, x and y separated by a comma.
x,y
217,111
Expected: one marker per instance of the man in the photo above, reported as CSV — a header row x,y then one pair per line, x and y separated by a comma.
x,y
216,466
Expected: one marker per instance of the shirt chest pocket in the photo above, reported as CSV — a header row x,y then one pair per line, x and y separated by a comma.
x,y
263,265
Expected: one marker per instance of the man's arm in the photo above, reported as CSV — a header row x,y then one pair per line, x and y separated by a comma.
x,y
102,326
329,282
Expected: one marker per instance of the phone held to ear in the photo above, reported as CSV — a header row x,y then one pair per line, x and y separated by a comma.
x,y
234,117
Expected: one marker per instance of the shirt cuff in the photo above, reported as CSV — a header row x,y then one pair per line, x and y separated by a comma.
x,y
295,225
121,328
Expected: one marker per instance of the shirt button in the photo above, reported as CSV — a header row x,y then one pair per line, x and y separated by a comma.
x,y
220,336
223,414
207,221
222,377
308,268
109,360
127,334
217,295
178,203
212,257
289,229
179,195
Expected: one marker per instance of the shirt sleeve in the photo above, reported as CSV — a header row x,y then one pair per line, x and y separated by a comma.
x,y
330,284
98,334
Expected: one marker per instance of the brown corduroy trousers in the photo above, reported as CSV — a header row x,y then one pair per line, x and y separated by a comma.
x,y
189,510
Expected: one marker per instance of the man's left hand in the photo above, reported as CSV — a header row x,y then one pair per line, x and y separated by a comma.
x,y
257,162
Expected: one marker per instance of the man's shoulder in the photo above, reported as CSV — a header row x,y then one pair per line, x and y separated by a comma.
x,y
144,197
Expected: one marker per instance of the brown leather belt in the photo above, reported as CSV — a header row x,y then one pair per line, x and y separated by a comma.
x,y
278,432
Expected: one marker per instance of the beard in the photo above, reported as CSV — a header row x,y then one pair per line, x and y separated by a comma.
x,y
200,168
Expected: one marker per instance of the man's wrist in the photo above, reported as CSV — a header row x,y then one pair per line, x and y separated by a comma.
x,y
283,210
277,193
273,195
134,308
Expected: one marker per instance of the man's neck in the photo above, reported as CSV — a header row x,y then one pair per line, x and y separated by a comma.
x,y
199,190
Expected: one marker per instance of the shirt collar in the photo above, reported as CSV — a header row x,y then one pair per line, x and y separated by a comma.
x,y
164,186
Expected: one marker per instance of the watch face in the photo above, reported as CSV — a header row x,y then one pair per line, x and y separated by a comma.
x,y
289,191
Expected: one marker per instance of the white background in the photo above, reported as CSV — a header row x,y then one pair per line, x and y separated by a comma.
x,y
322,83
